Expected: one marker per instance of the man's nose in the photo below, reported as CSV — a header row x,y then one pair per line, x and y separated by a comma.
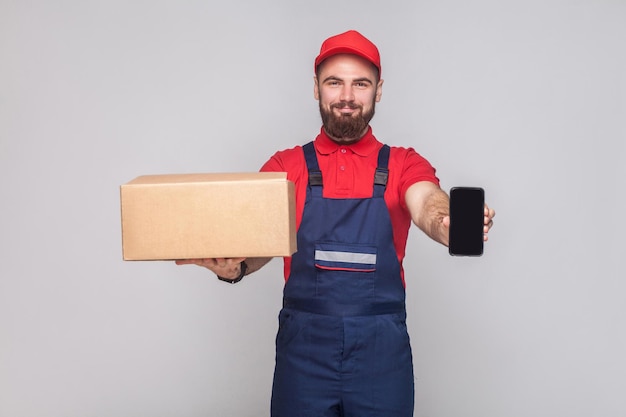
x,y
347,94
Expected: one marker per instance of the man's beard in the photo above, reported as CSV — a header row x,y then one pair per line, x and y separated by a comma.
x,y
346,127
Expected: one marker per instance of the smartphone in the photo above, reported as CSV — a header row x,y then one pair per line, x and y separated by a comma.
x,y
467,212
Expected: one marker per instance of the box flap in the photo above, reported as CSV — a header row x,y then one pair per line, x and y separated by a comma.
x,y
207,177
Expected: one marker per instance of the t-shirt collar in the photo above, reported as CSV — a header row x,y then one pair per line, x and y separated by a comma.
x,y
363,147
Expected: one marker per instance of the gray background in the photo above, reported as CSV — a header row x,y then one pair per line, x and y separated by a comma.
x,y
525,98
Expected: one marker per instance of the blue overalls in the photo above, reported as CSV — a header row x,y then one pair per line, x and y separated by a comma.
x,y
342,347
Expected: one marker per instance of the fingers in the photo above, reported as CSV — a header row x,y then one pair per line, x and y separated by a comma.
x,y
446,221
489,212
225,262
488,221
489,215
212,263
185,261
200,262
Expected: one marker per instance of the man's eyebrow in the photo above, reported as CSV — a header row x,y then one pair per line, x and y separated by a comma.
x,y
332,78
357,80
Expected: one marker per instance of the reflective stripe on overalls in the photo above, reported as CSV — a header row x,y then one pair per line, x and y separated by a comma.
x,y
342,347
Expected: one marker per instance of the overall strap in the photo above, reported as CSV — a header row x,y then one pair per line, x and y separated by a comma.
x,y
382,172
315,174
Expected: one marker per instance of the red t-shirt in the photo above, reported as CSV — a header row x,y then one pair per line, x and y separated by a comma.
x,y
348,172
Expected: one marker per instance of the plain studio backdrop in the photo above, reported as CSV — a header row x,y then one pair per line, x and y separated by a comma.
x,y
524,98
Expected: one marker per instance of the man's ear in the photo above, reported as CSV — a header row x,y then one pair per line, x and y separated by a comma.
x,y
316,89
379,90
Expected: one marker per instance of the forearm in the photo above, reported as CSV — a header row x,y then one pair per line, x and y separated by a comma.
x,y
254,264
430,210
434,219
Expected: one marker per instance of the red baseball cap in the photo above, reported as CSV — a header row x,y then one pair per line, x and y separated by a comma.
x,y
350,42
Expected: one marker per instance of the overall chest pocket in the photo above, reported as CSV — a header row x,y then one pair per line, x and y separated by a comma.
x,y
345,272
345,257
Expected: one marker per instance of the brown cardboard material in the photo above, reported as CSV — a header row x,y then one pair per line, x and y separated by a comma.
x,y
219,215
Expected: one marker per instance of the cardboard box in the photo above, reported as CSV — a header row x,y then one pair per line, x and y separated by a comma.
x,y
186,216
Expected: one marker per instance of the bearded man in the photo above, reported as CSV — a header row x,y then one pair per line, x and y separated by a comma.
x,y
342,347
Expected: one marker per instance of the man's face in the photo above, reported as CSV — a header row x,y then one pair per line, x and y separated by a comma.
x,y
347,89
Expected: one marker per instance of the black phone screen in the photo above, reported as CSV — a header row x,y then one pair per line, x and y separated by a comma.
x,y
466,221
